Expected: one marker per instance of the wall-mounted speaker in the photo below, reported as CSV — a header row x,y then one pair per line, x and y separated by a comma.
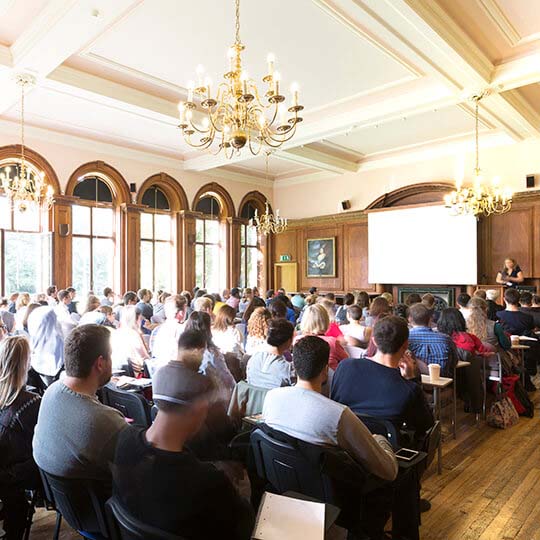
x,y
530,180
63,229
133,187
345,205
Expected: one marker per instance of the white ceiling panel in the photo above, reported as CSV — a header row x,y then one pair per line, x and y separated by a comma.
x,y
15,16
167,39
408,131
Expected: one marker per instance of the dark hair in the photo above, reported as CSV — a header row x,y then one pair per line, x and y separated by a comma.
x,y
480,293
200,321
107,291
413,298
211,298
511,296
283,298
451,321
256,302
82,348
191,339
63,294
4,302
141,293
224,318
526,298
278,309
235,292
330,296
279,332
401,310
536,299
378,306
463,299
390,333
269,293
363,299
348,299
51,290
312,290
71,290
199,293
310,357
420,314
354,312
130,296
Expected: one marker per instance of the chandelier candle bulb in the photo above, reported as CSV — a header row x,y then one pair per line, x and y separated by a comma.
x,y
295,89
276,78
208,85
271,60
191,86
200,73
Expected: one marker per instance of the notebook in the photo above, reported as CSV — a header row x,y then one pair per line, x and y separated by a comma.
x,y
282,517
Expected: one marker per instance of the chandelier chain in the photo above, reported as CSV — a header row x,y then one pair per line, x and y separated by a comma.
x,y
477,101
237,24
23,167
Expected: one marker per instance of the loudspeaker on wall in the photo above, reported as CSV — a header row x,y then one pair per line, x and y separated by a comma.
x,y
346,205
530,180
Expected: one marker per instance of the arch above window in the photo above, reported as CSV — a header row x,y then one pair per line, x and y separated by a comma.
x,y
168,186
92,188
431,192
209,205
216,191
254,200
105,173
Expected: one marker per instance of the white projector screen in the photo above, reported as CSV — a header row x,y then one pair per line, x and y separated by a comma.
x,y
421,246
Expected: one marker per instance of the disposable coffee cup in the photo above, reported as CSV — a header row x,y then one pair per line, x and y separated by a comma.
x,y
514,340
434,372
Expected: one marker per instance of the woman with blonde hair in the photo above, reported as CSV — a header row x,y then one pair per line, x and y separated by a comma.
x,y
486,330
257,329
316,322
18,417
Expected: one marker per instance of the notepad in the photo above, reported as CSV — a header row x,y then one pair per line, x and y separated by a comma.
x,y
282,518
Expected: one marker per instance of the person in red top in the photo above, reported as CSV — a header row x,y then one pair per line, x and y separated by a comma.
x,y
315,322
452,323
333,327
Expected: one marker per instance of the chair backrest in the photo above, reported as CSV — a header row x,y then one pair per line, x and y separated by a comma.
x,y
234,365
246,400
382,426
123,526
81,503
131,404
355,352
304,468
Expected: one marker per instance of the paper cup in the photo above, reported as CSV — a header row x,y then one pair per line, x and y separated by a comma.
x,y
434,372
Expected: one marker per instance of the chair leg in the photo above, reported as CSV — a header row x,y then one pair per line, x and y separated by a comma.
x,y
30,517
57,525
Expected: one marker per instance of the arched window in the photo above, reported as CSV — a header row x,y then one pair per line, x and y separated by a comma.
x,y
25,243
156,241
250,249
209,252
93,229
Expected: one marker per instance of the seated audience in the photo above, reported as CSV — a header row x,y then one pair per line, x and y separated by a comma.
x,y
129,299
159,309
108,297
127,342
514,321
462,302
413,298
234,299
378,307
382,386
254,304
388,297
269,295
493,307
429,301
316,322
480,293
91,313
72,306
313,290
452,323
52,292
76,435
13,302
164,338
333,328
341,312
247,297
144,305
62,312
278,309
427,345
6,317
298,301
356,334
269,368
487,331
362,300
401,310
525,301
290,313
225,335
204,304
21,304
18,417
257,330
159,482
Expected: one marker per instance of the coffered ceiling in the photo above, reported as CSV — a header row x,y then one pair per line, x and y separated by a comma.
x,y
378,78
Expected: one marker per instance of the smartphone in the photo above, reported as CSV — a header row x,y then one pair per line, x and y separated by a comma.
x,y
406,454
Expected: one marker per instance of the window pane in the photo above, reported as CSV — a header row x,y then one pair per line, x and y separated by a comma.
x,y
252,236
163,266
199,230
147,265
163,227
146,226
242,235
102,264
199,266
243,266
211,269
27,220
5,213
252,267
80,219
80,278
212,231
102,222
27,265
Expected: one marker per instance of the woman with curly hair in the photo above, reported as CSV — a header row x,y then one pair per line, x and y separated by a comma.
x,y
257,330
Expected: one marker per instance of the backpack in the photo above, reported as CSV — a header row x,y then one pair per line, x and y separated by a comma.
x,y
502,413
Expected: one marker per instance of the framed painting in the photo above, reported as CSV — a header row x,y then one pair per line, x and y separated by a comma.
x,y
321,257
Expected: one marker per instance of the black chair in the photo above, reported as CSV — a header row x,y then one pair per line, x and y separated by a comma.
x,y
131,404
80,502
383,426
123,526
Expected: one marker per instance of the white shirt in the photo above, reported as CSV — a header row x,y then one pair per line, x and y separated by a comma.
x,y
64,318
356,331
229,341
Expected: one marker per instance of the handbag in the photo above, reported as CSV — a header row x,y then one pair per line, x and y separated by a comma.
x,y
502,413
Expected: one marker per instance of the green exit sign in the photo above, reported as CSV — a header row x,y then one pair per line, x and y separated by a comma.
x,y
284,258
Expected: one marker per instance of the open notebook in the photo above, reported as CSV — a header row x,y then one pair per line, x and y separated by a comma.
x,y
281,518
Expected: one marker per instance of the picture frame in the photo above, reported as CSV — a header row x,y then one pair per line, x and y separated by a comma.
x,y
321,257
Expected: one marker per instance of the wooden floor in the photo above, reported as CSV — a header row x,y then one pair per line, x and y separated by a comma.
x,y
489,489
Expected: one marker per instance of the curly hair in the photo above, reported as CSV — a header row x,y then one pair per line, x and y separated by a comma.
x,y
257,326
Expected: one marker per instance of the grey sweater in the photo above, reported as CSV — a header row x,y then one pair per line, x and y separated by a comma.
x,y
75,436
268,370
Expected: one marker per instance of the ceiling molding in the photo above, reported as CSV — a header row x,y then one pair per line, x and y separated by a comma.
x,y
496,14
304,179
317,159
520,71
236,176
358,156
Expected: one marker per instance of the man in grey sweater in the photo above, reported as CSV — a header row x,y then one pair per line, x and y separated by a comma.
x,y
75,436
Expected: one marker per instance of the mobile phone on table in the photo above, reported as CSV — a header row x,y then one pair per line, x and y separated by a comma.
x,y
406,454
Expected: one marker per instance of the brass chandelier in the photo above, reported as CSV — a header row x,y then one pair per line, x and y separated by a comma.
x,y
239,114
480,198
26,186
267,223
